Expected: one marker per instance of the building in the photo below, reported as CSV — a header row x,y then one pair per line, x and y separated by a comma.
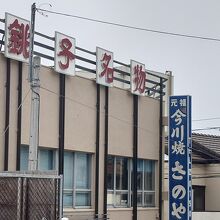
x,y
205,177
112,139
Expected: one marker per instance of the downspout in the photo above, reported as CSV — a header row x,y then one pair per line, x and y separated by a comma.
x,y
135,154
18,159
106,152
97,152
161,150
61,132
7,113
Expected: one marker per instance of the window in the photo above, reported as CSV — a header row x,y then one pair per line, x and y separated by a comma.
x,y
24,151
119,182
146,183
198,198
46,158
77,180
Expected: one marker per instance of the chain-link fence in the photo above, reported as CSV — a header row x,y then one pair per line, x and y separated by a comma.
x,y
30,197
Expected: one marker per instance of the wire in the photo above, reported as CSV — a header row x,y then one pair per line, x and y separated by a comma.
x,y
203,129
206,119
131,27
94,109
6,129
201,177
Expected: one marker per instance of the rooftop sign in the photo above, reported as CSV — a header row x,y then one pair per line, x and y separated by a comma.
x,y
17,41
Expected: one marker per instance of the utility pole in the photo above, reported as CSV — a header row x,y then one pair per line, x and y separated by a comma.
x,y
35,107
34,68
31,46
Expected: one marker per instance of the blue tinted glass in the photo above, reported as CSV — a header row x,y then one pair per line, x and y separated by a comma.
x,y
149,175
83,199
68,170
46,158
82,170
68,199
24,152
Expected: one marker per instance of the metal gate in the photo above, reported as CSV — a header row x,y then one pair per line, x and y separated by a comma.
x,y
30,196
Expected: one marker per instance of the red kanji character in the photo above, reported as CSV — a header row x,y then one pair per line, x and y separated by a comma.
x,y
139,78
107,72
18,41
65,45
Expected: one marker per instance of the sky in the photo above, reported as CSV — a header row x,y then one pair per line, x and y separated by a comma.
x,y
194,63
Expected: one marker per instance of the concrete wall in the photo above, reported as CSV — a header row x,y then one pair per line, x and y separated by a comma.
x,y
213,188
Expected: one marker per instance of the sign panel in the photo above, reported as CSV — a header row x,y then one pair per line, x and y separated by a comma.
x,y
138,77
180,160
104,67
17,38
64,54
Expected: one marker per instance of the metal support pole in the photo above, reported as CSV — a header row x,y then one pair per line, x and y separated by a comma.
x,y
97,152
161,152
106,153
135,154
7,114
18,158
61,134
35,104
61,197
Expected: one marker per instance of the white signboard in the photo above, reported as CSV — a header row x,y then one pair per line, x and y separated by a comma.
x,y
64,56
138,77
17,38
104,67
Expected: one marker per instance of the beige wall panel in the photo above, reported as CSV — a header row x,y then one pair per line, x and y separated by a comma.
x,y
80,122
13,116
198,170
120,122
2,109
26,106
49,110
122,214
151,214
148,132
78,214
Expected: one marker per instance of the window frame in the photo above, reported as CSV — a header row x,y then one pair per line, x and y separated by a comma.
x,y
54,154
114,191
143,191
76,190
129,192
202,189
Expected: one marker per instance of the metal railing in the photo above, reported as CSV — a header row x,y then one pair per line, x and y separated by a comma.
x,y
86,61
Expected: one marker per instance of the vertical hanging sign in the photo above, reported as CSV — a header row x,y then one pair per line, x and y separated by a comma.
x,y
17,38
64,54
104,67
138,78
180,160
